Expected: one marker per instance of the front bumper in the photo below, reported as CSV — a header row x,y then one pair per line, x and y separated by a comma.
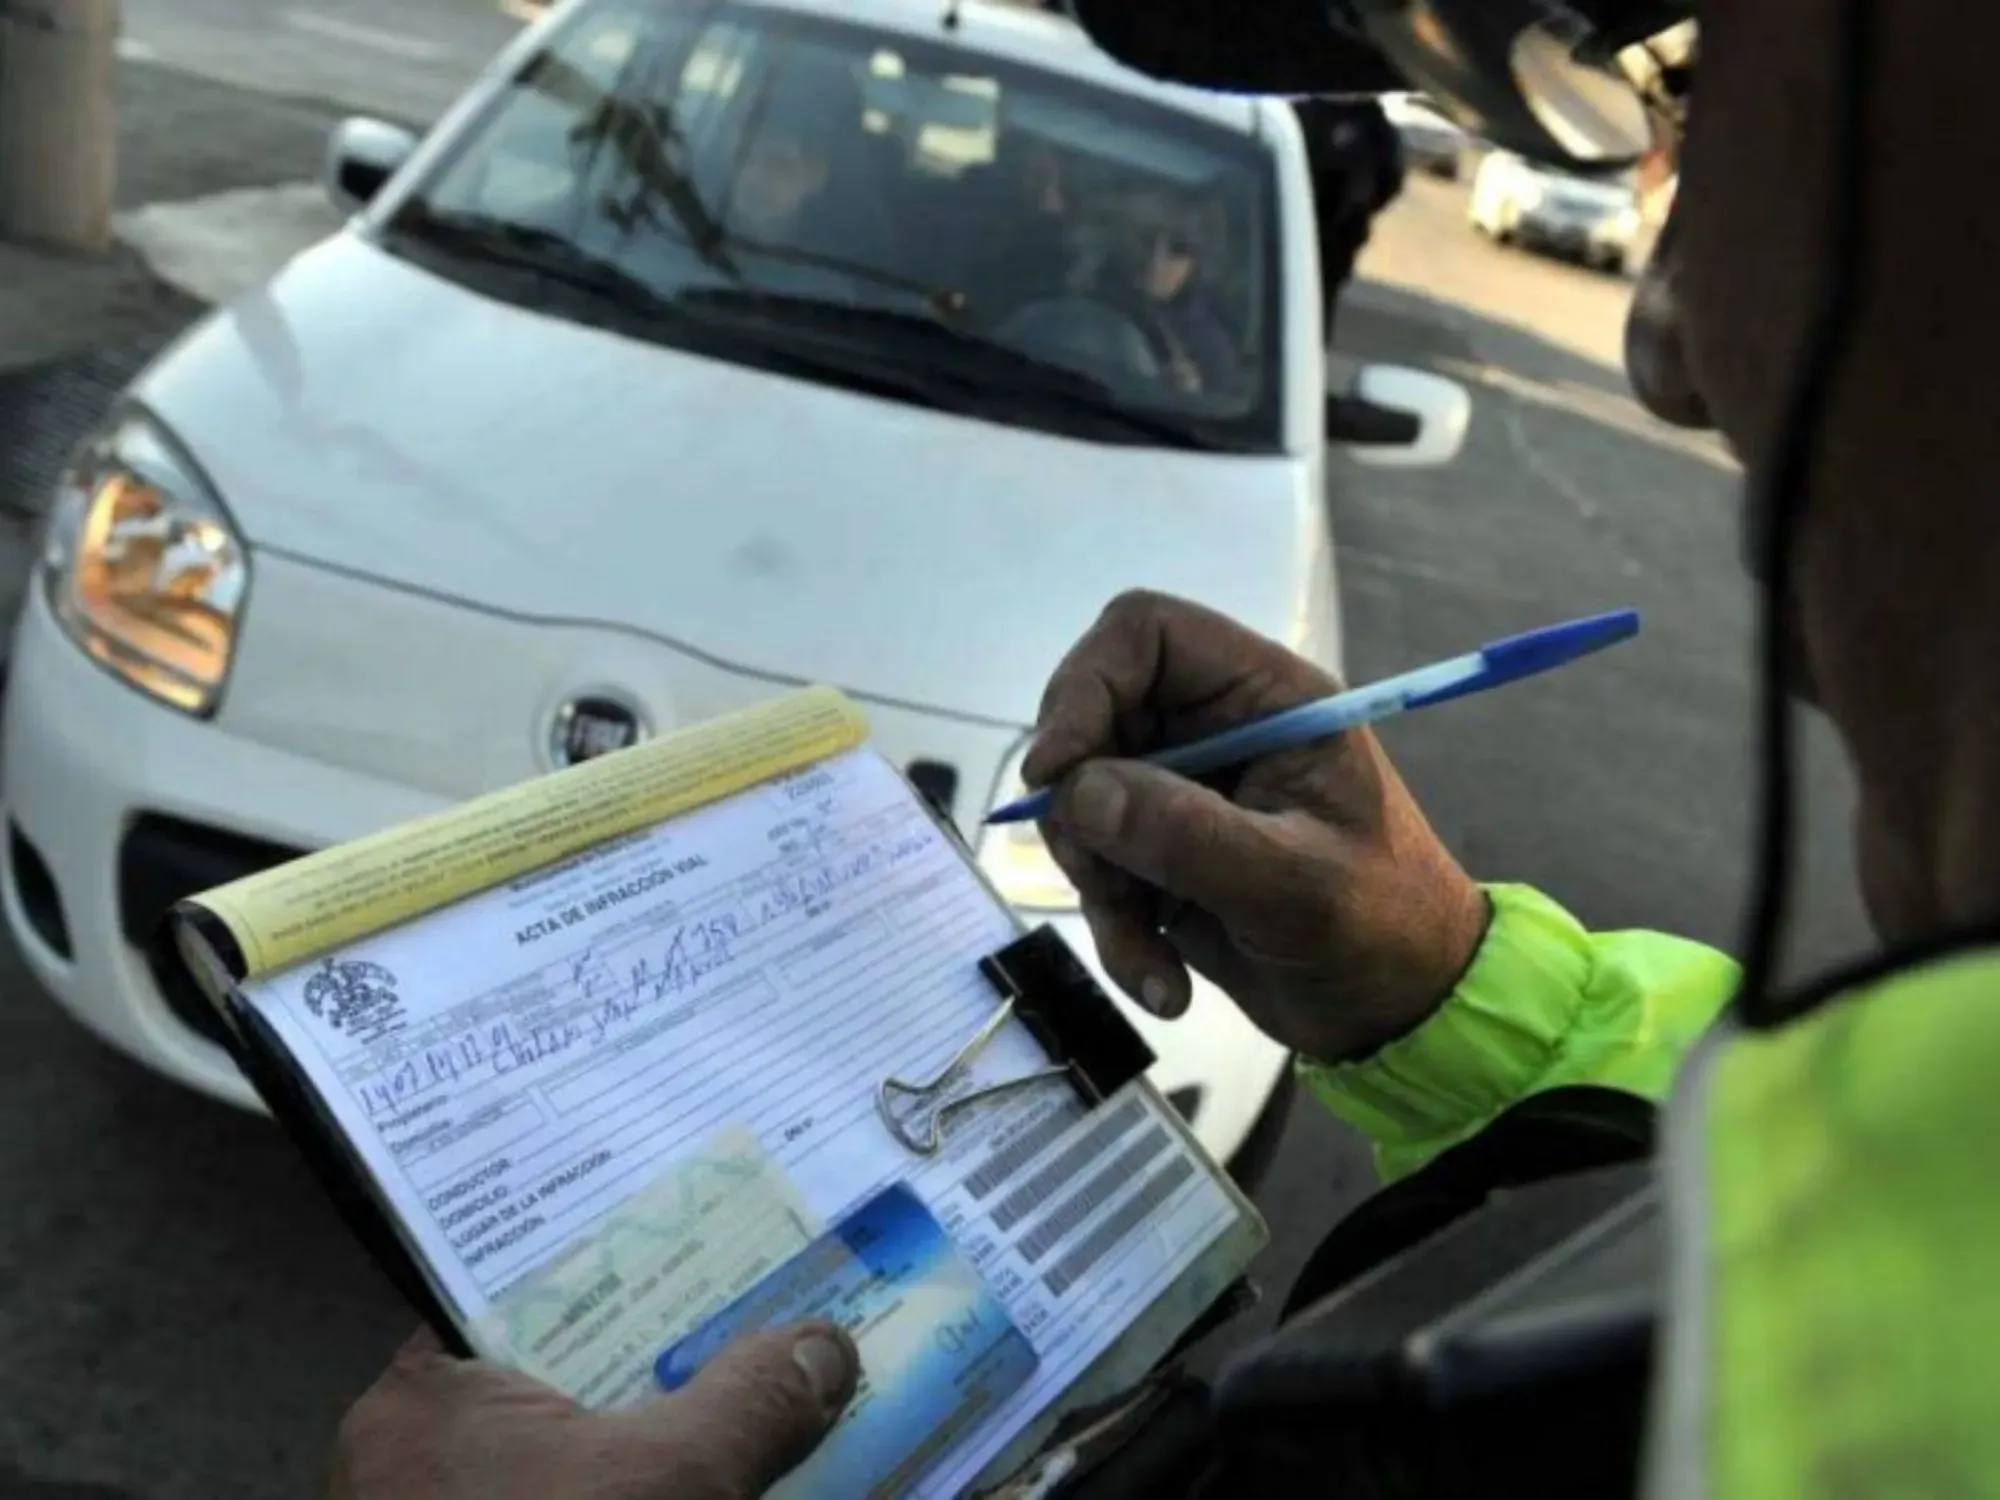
x,y
1567,234
116,807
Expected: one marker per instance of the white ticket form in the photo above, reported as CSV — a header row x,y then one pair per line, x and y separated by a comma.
x,y
608,1097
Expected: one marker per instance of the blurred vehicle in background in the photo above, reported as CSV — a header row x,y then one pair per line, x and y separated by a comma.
x,y
1431,143
1590,219
699,352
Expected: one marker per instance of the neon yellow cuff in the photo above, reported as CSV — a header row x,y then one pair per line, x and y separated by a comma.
x,y
1544,1005
1487,1044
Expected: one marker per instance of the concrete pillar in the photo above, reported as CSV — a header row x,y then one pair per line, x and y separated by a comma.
x,y
58,122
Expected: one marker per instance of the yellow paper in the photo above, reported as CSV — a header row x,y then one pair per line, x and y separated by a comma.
x,y
313,905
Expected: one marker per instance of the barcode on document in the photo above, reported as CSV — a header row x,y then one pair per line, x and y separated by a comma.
x,y
1094,1246
1023,1149
1079,1154
1092,1196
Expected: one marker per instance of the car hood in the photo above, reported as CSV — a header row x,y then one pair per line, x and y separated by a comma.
x,y
364,414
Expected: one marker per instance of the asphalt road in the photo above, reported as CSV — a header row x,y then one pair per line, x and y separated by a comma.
x,y
405,59
185,1318
1622,786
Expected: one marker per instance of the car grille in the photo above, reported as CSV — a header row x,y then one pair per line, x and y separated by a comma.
x,y
163,860
1578,207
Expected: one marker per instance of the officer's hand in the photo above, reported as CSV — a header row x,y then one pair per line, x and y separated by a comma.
x,y
1314,893
448,1429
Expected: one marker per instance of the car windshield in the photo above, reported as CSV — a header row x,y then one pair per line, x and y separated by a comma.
x,y
1597,182
867,193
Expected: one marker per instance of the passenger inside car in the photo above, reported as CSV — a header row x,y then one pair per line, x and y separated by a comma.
x,y
802,180
1013,223
1164,270
784,169
755,163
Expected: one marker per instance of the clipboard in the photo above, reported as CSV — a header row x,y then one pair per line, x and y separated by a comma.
x,y
242,939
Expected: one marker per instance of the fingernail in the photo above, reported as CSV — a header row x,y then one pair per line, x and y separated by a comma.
x,y
1097,803
1153,994
827,1364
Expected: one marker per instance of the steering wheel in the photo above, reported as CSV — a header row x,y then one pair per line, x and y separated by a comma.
x,y
1086,333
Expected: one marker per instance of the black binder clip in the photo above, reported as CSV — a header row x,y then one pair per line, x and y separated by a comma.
x,y
1064,1008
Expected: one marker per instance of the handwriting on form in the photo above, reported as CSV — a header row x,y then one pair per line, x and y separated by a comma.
x,y
666,966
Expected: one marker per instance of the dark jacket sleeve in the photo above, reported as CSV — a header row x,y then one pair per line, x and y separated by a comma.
x,y
1179,1453
1550,1057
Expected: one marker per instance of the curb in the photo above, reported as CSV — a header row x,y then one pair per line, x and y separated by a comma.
x,y
221,245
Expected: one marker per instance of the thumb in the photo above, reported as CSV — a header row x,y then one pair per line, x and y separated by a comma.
x,y
754,1412
1175,834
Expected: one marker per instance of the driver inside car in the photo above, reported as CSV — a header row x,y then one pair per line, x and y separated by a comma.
x,y
1199,354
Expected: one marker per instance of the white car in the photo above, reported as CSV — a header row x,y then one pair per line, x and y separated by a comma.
x,y
1591,219
1431,143
699,352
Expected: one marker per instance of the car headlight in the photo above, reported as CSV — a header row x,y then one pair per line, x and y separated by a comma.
x,y
143,568
1017,860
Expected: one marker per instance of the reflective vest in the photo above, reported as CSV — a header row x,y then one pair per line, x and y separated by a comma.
x,y
1833,1193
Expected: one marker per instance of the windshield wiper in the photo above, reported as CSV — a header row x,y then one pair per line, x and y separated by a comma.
x,y
932,347
907,355
533,249
933,328
544,253
946,301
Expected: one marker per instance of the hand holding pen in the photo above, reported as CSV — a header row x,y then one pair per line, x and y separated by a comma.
x,y
1315,894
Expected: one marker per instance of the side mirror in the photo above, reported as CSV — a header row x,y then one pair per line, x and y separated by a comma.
x,y
361,155
1395,418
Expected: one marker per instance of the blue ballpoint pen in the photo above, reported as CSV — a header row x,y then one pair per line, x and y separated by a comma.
x,y
1490,666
